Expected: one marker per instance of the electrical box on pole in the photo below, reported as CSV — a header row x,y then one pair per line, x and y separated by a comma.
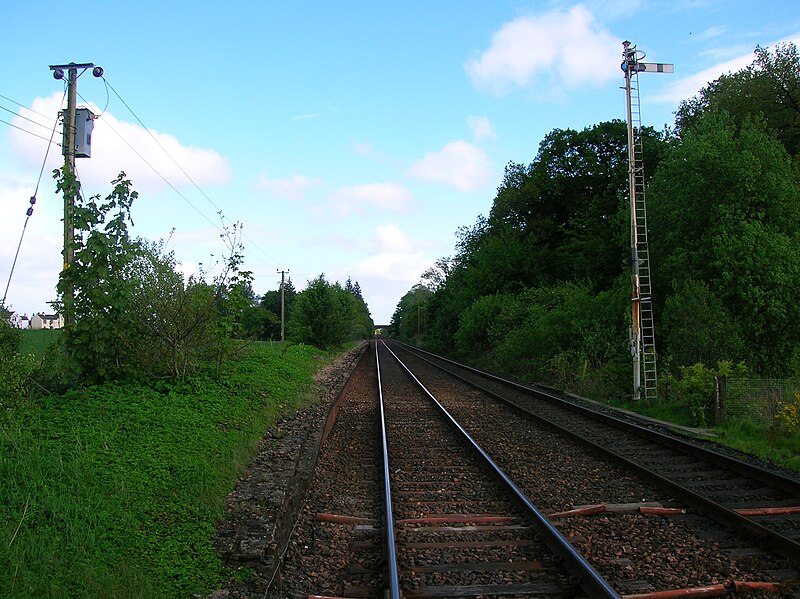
x,y
84,123
642,334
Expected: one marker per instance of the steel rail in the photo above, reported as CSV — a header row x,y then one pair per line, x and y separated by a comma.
x,y
391,546
755,531
774,479
588,578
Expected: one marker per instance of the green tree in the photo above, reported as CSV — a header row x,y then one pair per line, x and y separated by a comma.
x,y
410,317
697,328
130,311
15,368
325,315
724,210
769,87
94,295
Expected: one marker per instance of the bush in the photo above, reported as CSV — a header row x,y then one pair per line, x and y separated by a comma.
x,y
16,369
695,387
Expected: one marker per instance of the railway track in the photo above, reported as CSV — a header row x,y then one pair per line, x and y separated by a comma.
x,y
460,531
758,501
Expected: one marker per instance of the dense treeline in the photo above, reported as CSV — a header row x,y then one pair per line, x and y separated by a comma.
x,y
324,314
540,288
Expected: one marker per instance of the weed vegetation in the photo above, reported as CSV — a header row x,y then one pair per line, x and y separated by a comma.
x,y
113,490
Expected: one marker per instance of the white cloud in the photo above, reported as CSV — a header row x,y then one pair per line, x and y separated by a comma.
x,y
392,239
459,164
481,128
293,188
687,87
551,52
39,262
386,196
121,146
365,148
710,33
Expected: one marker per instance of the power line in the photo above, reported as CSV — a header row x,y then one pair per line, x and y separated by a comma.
x,y
25,107
217,208
30,132
163,178
29,212
16,114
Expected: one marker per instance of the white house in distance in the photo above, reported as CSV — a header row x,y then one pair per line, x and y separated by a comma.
x,y
17,321
46,321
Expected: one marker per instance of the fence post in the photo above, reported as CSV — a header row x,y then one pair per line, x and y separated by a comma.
x,y
719,400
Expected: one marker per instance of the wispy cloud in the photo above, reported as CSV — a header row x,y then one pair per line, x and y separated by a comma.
x,y
686,87
385,196
550,52
459,164
481,128
306,117
293,188
709,33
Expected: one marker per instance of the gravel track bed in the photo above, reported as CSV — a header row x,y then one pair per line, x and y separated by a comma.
x,y
332,558
434,475
637,553
324,557
719,483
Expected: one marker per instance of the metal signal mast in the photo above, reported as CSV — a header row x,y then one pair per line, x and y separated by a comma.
x,y
643,344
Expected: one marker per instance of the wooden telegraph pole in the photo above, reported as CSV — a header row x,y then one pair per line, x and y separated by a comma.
x,y
68,149
283,304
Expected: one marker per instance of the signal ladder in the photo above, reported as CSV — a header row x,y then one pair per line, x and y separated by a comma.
x,y
643,343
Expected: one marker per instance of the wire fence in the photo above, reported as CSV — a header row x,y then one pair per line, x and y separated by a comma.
x,y
756,400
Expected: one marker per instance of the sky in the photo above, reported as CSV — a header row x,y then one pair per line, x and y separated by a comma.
x,y
350,139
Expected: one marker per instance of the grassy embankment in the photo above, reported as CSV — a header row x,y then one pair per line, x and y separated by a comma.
x,y
113,491
773,443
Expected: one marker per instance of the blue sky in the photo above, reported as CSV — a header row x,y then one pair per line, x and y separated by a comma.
x,y
349,138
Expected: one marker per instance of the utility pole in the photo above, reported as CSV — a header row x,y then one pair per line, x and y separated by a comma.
x,y
642,338
68,149
283,304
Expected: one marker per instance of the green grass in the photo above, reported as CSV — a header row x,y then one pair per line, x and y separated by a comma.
x,y
113,491
37,342
769,443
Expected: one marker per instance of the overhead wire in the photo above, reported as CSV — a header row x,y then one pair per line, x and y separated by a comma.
x,y
29,212
16,114
252,244
30,132
186,174
157,172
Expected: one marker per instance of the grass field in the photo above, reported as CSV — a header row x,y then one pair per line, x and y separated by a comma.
x,y
114,491
37,342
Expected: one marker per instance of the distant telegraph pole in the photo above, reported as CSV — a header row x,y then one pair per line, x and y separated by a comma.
x,y
283,304
73,146
642,338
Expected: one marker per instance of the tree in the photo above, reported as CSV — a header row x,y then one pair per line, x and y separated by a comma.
x,y
93,293
769,87
410,317
698,328
325,315
132,312
725,210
